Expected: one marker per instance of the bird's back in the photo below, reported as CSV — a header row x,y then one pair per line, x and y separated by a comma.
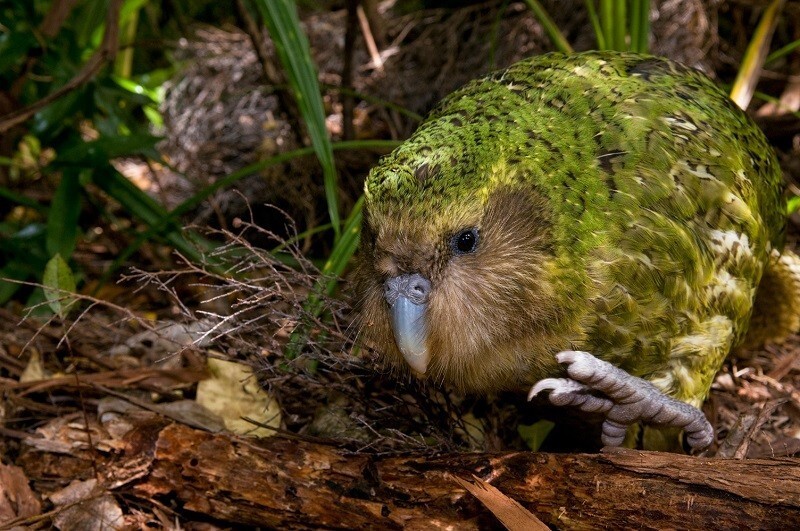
x,y
665,199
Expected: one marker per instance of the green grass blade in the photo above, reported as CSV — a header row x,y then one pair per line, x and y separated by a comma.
x,y
128,24
301,236
620,25
642,25
294,52
252,169
146,209
607,22
595,20
345,248
549,26
13,270
62,219
769,98
133,199
781,52
19,199
636,16
494,33
746,79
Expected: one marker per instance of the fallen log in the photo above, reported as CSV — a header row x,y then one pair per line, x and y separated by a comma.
x,y
291,484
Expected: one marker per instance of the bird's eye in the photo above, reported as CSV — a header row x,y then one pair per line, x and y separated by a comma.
x,y
465,242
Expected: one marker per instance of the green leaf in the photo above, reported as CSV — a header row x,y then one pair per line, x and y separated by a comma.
x,y
99,152
792,205
116,110
154,95
781,52
535,434
20,199
90,23
51,120
598,29
62,219
58,282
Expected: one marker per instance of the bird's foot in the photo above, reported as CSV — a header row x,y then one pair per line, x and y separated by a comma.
x,y
627,399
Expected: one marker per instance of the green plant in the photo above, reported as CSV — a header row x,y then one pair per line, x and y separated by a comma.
x,y
622,25
291,45
72,97
744,85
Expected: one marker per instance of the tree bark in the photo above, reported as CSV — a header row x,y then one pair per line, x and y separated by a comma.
x,y
291,484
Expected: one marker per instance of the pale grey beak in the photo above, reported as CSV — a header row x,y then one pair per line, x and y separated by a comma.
x,y
407,296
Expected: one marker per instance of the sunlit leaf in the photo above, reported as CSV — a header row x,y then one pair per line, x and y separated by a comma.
x,y
58,282
792,205
233,393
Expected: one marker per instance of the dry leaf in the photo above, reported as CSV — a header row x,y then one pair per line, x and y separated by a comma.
x,y
34,371
232,392
86,507
17,500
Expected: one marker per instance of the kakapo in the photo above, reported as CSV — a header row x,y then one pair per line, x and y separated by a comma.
x,y
595,225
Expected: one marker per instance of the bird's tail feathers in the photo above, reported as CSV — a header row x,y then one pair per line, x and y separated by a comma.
x,y
776,310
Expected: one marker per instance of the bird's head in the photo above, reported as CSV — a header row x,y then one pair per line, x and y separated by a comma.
x,y
455,259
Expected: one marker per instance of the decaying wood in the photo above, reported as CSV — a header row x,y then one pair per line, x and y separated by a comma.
x,y
288,483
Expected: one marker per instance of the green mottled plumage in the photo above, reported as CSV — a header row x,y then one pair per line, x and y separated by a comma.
x,y
626,207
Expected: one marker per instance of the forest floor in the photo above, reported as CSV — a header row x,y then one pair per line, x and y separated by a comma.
x,y
71,387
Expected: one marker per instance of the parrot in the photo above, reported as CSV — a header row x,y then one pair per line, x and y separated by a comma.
x,y
592,225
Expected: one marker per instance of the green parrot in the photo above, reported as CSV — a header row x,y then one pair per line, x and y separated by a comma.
x,y
594,225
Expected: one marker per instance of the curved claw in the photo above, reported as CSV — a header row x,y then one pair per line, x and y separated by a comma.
x,y
629,399
567,392
558,385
